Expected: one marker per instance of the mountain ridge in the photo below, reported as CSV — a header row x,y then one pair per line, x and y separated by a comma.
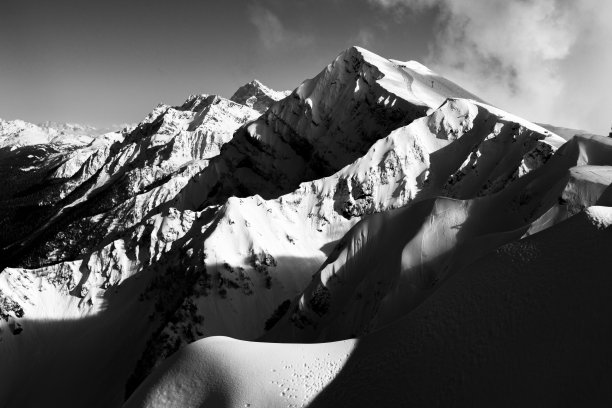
x,y
332,211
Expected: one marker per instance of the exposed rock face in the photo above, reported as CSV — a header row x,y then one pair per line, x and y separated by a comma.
x,y
258,96
129,174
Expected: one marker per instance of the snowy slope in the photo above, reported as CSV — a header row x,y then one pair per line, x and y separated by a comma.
x,y
356,290
522,326
335,212
430,87
566,133
213,373
17,133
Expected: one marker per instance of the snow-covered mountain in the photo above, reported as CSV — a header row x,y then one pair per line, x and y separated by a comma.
x,y
17,133
257,96
340,209
524,325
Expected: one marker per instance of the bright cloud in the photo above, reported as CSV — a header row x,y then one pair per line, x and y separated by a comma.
x,y
364,38
547,60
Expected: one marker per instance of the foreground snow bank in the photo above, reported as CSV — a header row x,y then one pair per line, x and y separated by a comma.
x,y
220,371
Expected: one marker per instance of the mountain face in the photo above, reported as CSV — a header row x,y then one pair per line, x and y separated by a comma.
x,y
257,96
140,170
362,203
497,332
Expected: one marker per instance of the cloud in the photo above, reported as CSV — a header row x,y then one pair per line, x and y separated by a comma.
x,y
272,33
364,38
527,56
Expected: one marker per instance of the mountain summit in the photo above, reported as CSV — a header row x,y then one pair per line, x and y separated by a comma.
x,y
257,96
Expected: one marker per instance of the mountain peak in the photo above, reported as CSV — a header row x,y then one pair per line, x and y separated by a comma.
x,y
257,96
258,83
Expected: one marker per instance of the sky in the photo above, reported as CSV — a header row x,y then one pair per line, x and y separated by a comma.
x,y
111,62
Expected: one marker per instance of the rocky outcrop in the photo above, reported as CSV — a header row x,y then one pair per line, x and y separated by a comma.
x,y
258,96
